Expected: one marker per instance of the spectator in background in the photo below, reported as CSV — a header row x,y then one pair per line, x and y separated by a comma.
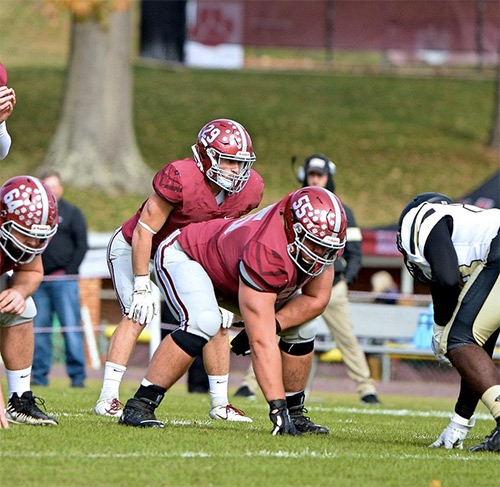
x,y
59,292
384,287
455,249
7,102
22,242
318,170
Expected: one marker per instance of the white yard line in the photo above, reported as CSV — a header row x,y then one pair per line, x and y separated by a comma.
x,y
306,453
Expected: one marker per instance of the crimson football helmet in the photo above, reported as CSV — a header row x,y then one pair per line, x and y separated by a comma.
x,y
227,139
315,227
28,208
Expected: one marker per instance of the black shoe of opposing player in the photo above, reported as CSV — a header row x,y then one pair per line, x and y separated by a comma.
x,y
370,399
25,410
244,391
303,423
140,413
490,443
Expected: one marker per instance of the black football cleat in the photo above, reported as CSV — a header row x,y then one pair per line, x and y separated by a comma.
x,y
490,443
303,423
140,413
370,399
25,410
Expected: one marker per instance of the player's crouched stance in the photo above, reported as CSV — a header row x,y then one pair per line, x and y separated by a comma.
x,y
455,249
28,220
276,268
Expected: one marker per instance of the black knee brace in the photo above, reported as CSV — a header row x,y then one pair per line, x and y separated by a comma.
x,y
191,344
297,349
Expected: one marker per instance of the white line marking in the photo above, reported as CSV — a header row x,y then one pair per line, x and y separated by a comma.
x,y
453,456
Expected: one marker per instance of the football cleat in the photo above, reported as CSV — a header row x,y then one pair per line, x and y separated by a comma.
x,y
108,407
370,399
229,413
246,392
490,443
25,410
140,413
303,423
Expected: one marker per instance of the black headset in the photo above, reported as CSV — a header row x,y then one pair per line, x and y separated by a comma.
x,y
302,170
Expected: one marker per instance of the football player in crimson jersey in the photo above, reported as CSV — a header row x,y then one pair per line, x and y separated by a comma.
x,y
28,220
257,265
218,182
455,249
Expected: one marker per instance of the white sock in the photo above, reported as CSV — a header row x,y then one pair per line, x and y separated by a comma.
x,y
218,390
113,375
18,381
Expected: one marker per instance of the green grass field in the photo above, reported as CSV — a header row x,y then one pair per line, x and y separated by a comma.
x,y
385,446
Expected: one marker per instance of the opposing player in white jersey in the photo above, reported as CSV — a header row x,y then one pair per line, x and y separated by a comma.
x,y
219,182
256,264
455,248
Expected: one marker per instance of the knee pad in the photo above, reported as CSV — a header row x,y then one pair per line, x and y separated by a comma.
x,y
296,349
208,322
191,344
299,334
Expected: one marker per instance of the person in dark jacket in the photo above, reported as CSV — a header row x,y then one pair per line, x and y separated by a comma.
x,y
318,170
59,292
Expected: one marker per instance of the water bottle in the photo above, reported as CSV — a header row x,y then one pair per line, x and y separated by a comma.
x,y
422,337
419,335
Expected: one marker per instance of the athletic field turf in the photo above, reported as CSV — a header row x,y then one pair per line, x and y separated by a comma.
x,y
384,446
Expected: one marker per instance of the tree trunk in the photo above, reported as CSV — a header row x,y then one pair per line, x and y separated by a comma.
x,y
94,145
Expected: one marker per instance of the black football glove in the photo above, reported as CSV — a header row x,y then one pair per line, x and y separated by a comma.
x,y
280,417
240,344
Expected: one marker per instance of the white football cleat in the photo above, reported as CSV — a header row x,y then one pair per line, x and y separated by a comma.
x,y
109,407
229,413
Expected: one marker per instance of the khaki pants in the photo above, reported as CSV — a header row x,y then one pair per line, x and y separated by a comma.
x,y
338,318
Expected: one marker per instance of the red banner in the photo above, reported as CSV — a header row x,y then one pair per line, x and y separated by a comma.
x,y
451,25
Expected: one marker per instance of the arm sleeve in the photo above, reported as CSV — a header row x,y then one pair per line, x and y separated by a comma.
x,y
4,141
79,235
352,255
445,282
353,249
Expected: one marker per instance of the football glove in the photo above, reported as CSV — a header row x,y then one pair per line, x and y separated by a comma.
x,y
454,434
143,306
436,339
240,344
280,417
226,317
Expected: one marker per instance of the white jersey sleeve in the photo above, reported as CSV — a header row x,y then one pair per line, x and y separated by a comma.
x,y
5,141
